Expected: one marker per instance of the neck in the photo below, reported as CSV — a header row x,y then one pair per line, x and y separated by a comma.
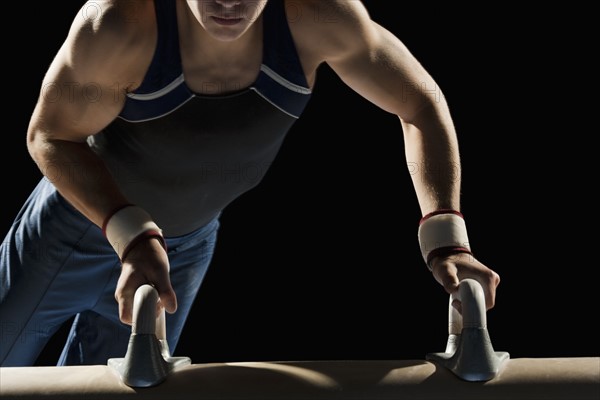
x,y
212,66
196,41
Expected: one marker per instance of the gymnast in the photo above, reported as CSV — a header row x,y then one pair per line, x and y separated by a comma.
x,y
137,119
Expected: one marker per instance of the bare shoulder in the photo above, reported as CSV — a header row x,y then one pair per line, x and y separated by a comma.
x,y
326,29
110,39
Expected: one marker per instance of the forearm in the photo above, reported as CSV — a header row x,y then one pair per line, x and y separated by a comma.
x,y
79,175
433,159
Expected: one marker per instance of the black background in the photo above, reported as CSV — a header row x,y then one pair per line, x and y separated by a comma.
x,y
321,260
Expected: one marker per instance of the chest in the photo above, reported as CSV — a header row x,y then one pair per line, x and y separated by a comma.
x,y
212,77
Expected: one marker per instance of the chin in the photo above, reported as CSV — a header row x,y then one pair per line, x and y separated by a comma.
x,y
227,34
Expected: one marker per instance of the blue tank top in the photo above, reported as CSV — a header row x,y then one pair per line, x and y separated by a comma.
x,y
184,156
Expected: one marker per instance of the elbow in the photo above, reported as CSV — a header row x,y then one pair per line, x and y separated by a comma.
x,y
35,143
425,108
38,144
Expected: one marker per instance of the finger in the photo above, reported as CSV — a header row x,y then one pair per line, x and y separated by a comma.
x,y
489,280
490,294
447,276
457,304
125,307
124,293
168,298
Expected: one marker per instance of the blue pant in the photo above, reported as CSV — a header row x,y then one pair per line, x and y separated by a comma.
x,y
55,264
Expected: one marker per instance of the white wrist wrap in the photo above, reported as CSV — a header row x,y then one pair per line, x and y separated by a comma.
x,y
126,225
446,230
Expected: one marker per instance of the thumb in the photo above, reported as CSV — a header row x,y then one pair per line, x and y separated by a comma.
x,y
447,276
168,298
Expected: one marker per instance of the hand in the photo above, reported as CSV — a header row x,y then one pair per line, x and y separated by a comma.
x,y
450,270
145,263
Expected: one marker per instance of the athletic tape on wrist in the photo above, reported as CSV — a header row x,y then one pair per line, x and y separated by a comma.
x,y
126,226
442,232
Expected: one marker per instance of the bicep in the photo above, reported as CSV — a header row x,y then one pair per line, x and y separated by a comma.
x,y
85,87
383,70
74,104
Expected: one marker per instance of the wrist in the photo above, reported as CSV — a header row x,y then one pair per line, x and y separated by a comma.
x,y
446,253
126,226
442,233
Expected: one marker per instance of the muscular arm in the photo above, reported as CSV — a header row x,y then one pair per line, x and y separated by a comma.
x,y
83,91
377,65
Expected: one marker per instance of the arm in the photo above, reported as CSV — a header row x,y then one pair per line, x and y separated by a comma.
x,y
376,64
82,92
